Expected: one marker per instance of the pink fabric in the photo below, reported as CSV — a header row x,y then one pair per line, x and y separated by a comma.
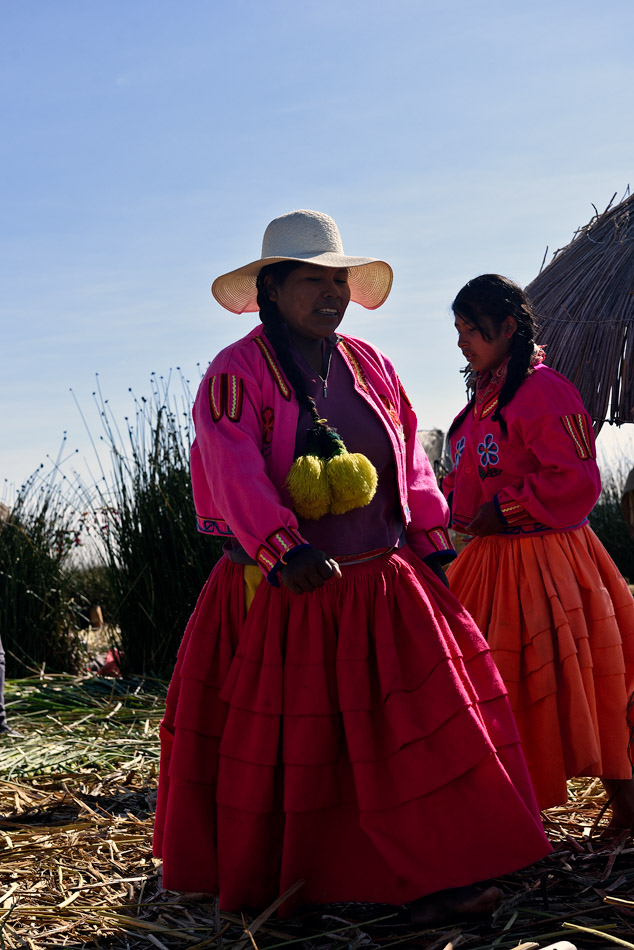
x,y
358,738
542,475
246,419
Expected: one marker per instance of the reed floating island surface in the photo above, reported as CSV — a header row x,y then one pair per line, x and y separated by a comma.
x,y
77,804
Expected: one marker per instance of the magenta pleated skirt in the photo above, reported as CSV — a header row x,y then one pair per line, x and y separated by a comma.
x,y
357,738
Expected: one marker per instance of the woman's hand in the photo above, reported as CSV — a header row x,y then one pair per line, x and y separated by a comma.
x,y
307,570
487,521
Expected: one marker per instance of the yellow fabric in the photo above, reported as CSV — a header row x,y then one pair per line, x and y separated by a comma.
x,y
352,479
307,483
344,482
253,577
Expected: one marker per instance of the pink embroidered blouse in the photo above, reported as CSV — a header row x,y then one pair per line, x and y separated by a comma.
x,y
542,476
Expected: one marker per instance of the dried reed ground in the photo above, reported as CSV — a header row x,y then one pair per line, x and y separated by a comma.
x,y
76,869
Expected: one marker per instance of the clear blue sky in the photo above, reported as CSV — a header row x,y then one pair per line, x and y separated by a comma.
x,y
146,144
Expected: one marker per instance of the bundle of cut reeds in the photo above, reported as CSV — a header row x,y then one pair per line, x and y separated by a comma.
x,y
585,303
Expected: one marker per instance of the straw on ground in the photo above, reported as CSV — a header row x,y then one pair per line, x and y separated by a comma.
x,y
76,867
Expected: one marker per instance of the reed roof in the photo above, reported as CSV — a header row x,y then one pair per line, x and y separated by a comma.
x,y
584,299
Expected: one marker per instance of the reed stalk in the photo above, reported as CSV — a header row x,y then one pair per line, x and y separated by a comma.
x,y
156,560
37,536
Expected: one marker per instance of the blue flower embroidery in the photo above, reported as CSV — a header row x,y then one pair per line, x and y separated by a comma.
x,y
459,449
488,451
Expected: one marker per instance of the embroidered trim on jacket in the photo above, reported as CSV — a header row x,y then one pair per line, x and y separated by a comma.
x,y
439,538
265,559
354,364
394,416
213,526
277,545
225,396
579,431
512,512
488,407
460,522
283,540
268,417
274,369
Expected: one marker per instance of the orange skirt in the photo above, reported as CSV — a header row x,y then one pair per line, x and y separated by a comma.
x,y
559,620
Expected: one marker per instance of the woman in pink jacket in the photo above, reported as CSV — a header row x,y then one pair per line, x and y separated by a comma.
x,y
334,717
558,616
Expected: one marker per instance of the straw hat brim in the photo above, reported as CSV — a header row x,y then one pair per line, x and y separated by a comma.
x,y
370,280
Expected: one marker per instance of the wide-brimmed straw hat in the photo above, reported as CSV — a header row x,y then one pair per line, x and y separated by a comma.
x,y
311,238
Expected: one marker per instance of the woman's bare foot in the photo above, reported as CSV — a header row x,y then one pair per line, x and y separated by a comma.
x,y
621,792
458,903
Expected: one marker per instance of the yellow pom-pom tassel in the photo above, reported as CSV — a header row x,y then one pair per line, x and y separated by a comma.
x,y
307,483
352,479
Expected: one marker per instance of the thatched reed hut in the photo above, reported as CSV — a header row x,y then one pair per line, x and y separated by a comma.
x,y
585,301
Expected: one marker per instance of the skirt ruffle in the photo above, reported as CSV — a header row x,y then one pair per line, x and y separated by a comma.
x,y
358,738
559,620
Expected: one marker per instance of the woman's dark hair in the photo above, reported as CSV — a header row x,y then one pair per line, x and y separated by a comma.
x,y
277,333
492,298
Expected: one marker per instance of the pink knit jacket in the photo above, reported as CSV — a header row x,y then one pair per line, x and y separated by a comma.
x,y
542,476
245,415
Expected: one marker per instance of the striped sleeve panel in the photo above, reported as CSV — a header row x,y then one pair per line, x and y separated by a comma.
x,y
277,545
225,397
578,428
439,538
512,513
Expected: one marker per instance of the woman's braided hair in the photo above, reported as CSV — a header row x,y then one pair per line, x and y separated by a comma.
x,y
490,299
277,333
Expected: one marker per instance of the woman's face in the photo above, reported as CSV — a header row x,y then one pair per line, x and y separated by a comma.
x,y
485,353
312,300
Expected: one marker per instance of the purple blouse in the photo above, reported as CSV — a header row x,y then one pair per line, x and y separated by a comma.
x,y
376,525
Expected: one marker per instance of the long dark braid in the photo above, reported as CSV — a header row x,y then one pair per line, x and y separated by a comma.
x,y
320,436
496,298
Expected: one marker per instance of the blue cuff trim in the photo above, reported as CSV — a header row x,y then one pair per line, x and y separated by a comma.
x,y
499,511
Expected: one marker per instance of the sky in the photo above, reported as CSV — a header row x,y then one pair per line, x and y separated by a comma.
x,y
146,144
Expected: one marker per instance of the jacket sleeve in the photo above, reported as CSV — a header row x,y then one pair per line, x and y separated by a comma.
x,y
427,533
564,483
228,454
